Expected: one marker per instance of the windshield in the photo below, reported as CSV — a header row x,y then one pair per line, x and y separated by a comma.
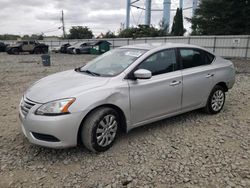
x,y
113,62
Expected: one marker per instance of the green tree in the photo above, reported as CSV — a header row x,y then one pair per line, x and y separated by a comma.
x,y
178,28
163,31
221,17
33,37
79,32
109,34
142,31
9,37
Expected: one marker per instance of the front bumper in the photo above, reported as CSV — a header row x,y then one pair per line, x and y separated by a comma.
x,y
64,128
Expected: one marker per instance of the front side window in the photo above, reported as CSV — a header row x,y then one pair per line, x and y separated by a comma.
x,y
192,58
113,62
160,63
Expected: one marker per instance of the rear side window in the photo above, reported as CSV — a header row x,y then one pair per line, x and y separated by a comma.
x,y
194,58
208,57
25,42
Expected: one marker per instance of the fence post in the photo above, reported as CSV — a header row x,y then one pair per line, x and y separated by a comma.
x,y
128,41
247,47
113,42
189,40
215,38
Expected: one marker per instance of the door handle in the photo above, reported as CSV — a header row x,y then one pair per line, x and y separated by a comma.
x,y
175,83
209,75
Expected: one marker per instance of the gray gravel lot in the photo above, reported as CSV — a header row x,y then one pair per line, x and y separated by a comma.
x,y
190,150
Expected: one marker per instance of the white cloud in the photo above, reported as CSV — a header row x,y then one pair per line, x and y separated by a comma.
x,y
37,16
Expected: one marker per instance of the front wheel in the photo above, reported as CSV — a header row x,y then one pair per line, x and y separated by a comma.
x,y
216,100
99,130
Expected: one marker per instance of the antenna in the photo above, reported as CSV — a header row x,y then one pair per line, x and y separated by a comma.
x,y
63,25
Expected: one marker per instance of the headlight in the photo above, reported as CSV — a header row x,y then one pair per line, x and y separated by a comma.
x,y
57,107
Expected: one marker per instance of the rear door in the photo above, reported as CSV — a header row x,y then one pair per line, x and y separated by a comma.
x,y
28,45
160,95
198,73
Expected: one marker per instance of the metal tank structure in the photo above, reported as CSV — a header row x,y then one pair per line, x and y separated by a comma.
x,y
148,9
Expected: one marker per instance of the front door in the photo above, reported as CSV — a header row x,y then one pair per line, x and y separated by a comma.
x,y
160,95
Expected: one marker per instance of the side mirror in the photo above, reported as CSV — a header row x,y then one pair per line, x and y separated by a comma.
x,y
142,74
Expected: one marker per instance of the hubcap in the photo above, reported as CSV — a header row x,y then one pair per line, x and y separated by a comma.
x,y
217,100
106,130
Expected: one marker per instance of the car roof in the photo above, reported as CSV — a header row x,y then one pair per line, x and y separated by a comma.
x,y
151,46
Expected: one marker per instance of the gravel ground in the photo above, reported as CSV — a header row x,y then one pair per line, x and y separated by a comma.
x,y
190,150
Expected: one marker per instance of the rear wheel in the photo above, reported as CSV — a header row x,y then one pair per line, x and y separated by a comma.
x,y
99,130
216,100
37,51
15,51
45,50
77,51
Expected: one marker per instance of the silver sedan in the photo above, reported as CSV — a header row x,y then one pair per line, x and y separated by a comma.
x,y
124,88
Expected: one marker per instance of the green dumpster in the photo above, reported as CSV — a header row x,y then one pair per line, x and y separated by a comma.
x,y
100,47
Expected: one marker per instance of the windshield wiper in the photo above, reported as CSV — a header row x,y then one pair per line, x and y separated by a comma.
x,y
90,72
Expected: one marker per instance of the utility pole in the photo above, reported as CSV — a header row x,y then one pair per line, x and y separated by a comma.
x,y
63,26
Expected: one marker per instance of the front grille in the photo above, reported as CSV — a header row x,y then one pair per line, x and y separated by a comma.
x,y
26,105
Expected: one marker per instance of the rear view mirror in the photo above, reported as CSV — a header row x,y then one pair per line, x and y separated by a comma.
x,y
142,74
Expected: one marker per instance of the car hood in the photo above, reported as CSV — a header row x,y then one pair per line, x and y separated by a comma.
x,y
63,85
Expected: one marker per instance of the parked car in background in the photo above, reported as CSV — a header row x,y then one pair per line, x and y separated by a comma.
x,y
56,49
123,89
79,48
64,47
2,47
33,47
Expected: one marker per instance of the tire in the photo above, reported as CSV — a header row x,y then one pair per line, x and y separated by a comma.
x,y
37,51
95,136
15,51
216,100
44,50
77,51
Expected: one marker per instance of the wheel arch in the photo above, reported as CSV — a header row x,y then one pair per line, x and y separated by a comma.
x,y
120,112
223,85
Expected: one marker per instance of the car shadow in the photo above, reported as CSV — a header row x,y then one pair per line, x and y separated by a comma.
x,y
123,138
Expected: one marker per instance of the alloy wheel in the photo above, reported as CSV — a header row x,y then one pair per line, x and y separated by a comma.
x,y
106,130
217,100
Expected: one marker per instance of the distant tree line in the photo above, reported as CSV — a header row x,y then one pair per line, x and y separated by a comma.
x,y
25,37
